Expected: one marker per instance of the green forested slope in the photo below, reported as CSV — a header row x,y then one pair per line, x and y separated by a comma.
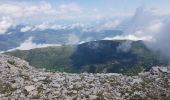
x,y
95,56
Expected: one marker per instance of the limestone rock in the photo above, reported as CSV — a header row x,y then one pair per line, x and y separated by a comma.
x,y
30,88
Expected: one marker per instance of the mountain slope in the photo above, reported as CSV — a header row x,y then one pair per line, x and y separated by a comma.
x,y
18,80
95,56
111,56
52,58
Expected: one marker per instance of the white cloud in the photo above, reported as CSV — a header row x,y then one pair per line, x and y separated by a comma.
x,y
82,42
46,25
26,29
162,11
42,26
11,10
64,8
28,44
110,24
161,39
73,39
58,27
146,25
21,11
77,25
26,12
125,46
5,24
129,37
155,26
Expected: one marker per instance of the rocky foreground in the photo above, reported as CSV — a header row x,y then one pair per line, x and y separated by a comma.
x,y
19,81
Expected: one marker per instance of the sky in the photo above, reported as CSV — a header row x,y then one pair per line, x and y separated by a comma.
x,y
72,11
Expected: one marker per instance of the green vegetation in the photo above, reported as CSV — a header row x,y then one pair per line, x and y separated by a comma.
x,y
51,58
92,57
11,62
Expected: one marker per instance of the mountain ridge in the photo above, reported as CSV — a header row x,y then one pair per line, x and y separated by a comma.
x,y
95,56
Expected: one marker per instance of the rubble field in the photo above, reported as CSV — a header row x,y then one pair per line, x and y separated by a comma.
x,y
20,81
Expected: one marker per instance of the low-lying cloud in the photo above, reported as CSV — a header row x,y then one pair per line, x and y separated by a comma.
x,y
125,46
73,39
26,29
28,44
112,24
152,29
129,37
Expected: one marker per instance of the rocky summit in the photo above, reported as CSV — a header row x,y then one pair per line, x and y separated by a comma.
x,y
20,81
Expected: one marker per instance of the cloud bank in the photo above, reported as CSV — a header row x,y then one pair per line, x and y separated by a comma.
x,y
129,37
147,26
24,9
28,44
145,23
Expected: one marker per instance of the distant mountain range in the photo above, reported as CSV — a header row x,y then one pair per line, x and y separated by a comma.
x,y
17,35
120,56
